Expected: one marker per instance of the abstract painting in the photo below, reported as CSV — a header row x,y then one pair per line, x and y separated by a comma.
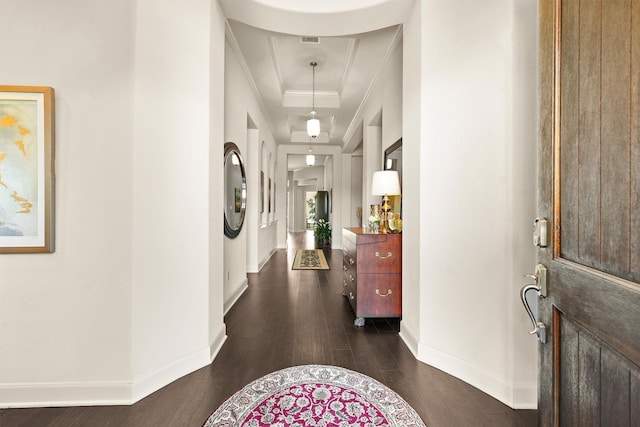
x,y
26,169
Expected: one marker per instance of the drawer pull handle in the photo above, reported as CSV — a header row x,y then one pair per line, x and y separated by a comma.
x,y
344,283
351,295
351,277
389,254
351,261
383,295
344,267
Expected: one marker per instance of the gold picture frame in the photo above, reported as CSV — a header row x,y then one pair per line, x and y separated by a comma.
x,y
26,169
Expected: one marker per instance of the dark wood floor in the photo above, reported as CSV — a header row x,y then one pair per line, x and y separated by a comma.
x,y
289,318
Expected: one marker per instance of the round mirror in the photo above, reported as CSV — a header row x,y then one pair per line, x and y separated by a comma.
x,y
235,190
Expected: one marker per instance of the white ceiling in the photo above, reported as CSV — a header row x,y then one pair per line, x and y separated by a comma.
x,y
279,65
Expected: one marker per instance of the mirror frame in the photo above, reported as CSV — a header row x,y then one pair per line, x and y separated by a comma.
x,y
392,148
396,201
229,149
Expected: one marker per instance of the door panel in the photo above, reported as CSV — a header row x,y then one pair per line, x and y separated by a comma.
x,y
589,185
596,135
597,384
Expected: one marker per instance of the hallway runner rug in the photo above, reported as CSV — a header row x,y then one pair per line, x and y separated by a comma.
x,y
315,395
310,259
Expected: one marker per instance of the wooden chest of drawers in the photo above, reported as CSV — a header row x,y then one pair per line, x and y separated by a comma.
x,y
372,264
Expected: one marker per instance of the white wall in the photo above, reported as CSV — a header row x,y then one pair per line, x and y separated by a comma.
x,y
412,201
300,193
171,190
312,173
65,318
382,126
217,330
236,94
328,174
252,213
241,103
475,182
356,192
126,304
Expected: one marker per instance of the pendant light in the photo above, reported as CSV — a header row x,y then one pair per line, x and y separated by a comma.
x,y
311,159
313,124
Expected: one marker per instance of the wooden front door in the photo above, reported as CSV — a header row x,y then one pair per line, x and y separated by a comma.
x,y
589,188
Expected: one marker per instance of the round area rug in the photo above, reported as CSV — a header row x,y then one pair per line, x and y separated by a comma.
x,y
315,395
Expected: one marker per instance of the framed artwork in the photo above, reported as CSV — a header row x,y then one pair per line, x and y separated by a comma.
x,y
26,169
238,199
261,191
269,195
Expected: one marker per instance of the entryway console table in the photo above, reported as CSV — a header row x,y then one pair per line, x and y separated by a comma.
x,y
372,264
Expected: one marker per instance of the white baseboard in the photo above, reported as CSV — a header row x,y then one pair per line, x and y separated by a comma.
x,y
236,295
216,344
102,393
253,268
266,259
34,395
99,393
154,381
409,339
524,397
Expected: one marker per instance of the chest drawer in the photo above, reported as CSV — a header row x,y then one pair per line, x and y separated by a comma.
x,y
350,277
380,257
372,273
349,252
379,295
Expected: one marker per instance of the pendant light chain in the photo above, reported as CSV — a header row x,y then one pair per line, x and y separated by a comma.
x,y
313,124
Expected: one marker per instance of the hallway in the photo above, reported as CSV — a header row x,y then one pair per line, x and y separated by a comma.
x,y
288,318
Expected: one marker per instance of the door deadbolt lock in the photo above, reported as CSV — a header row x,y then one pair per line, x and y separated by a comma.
x,y
541,232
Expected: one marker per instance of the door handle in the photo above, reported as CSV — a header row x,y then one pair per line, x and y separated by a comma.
x,y
540,287
523,297
539,328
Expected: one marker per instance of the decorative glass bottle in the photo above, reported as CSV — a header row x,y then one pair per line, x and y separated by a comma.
x,y
374,218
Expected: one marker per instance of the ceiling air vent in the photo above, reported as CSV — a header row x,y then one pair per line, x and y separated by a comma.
x,y
309,40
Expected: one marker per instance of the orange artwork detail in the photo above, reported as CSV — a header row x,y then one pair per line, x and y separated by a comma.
x,y
20,144
8,121
24,203
23,131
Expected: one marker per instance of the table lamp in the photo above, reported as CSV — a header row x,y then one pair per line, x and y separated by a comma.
x,y
385,183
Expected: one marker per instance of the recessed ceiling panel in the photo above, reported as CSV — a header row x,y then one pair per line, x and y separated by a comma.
x,y
278,65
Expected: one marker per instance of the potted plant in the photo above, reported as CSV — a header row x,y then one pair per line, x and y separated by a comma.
x,y
322,232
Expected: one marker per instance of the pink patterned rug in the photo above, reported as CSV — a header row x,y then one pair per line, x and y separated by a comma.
x,y
315,395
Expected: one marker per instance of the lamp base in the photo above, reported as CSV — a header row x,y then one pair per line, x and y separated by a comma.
x,y
384,215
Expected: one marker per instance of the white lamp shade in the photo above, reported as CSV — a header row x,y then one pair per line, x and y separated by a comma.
x,y
311,160
385,183
313,127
